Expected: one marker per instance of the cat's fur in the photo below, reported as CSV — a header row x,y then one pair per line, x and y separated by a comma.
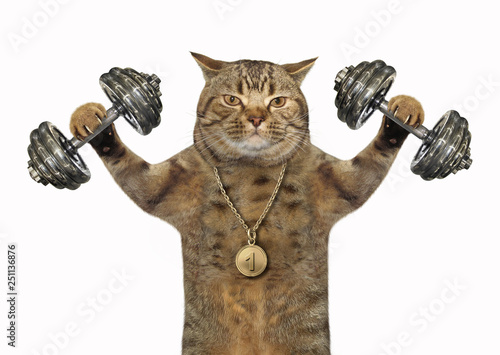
x,y
284,310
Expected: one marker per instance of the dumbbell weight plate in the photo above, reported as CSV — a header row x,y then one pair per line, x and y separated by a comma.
x,y
67,157
459,141
367,101
375,81
150,85
55,160
39,162
442,154
346,80
135,98
350,86
45,164
146,97
358,95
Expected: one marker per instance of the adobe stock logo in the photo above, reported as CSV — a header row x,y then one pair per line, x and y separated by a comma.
x,y
31,25
485,88
424,317
381,19
87,311
221,7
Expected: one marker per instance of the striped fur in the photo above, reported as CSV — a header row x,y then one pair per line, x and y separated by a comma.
x,y
285,310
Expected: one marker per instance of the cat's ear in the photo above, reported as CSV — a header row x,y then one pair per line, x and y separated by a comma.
x,y
298,71
210,67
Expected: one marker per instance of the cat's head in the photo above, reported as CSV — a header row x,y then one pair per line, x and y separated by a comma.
x,y
251,111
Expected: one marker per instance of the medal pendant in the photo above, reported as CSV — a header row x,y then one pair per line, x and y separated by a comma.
x,y
251,260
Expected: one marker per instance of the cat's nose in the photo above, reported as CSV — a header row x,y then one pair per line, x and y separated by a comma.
x,y
256,120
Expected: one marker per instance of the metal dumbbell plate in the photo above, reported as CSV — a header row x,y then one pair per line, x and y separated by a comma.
x,y
135,95
359,90
54,160
446,151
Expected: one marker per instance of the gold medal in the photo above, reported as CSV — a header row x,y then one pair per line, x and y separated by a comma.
x,y
251,260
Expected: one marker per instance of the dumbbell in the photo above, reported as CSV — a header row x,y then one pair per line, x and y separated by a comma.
x,y
361,90
54,159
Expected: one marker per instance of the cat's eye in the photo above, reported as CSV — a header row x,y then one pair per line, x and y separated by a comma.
x,y
231,100
278,102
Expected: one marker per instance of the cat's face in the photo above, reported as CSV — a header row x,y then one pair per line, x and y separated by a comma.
x,y
252,111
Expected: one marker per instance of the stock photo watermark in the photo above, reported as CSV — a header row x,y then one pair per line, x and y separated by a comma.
x,y
402,167
31,25
12,301
380,20
485,88
86,312
158,69
422,318
223,7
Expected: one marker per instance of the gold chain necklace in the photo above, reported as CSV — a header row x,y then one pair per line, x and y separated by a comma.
x,y
251,260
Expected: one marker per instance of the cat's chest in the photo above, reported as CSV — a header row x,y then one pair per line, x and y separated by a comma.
x,y
288,232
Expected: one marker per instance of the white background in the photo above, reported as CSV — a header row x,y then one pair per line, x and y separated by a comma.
x,y
390,261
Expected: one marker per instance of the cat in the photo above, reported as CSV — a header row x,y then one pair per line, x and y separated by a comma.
x,y
251,118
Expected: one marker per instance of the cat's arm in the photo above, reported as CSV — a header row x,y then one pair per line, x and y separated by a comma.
x,y
355,180
158,189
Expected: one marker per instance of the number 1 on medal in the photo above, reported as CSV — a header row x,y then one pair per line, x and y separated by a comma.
x,y
251,259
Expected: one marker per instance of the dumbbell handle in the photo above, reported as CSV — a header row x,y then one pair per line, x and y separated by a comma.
x,y
112,114
420,132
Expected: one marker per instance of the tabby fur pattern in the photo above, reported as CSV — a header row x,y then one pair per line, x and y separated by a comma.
x,y
247,131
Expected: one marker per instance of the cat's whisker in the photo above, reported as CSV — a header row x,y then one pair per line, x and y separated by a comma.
x,y
299,135
296,142
208,140
208,146
301,138
293,145
298,119
304,115
211,139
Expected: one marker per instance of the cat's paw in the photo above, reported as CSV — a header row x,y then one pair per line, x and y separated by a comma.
x,y
85,120
407,109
